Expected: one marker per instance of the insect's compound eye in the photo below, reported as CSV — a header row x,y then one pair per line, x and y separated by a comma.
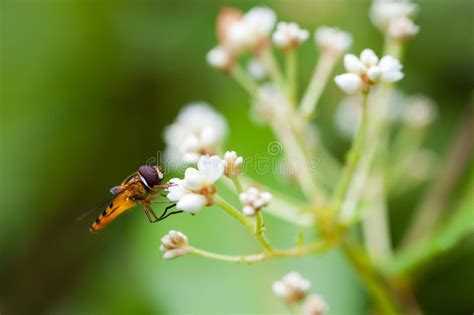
x,y
149,176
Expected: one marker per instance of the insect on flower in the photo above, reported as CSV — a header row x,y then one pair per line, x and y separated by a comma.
x,y
141,187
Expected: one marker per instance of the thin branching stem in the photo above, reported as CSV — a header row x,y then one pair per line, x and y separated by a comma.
x,y
316,86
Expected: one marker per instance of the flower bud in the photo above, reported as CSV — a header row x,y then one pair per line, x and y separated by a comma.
x,y
233,163
292,288
174,244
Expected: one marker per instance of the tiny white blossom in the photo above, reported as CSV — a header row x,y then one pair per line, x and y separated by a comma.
x,y
419,112
197,188
254,200
198,130
233,163
384,12
256,69
219,58
292,288
174,244
368,70
349,82
402,28
289,35
332,40
251,30
314,305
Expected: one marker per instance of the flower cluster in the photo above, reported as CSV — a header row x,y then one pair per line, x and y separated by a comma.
x,y
239,33
368,70
332,40
198,130
395,18
293,288
174,244
233,163
254,200
197,188
333,203
289,35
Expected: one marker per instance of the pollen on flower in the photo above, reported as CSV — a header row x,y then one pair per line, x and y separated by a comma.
x,y
289,35
314,305
367,70
254,200
233,163
332,40
292,288
198,130
174,244
197,188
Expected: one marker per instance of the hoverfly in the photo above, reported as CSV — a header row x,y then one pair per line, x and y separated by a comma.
x,y
139,188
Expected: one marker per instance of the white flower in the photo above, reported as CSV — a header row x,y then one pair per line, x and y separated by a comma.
x,y
254,200
292,288
233,163
256,69
349,82
198,130
314,305
402,28
384,12
174,244
251,30
368,70
332,40
219,58
419,112
289,35
197,188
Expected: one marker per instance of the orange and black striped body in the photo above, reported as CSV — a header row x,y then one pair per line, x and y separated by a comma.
x,y
134,190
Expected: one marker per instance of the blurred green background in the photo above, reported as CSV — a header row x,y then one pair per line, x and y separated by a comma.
x,y
86,90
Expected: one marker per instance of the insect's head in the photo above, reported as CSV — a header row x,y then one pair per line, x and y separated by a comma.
x,y
150,175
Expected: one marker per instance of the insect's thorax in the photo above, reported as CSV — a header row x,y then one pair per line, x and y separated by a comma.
x,y
136,190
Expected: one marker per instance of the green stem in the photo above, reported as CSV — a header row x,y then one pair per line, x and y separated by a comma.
x,y
256,231
244,80
236,214
316,247
291,70
267,58
260,232
237,184
372,281
316,86
353,157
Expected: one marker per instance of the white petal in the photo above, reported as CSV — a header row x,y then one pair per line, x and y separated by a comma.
x,y
349,82
211,168
279,289
176,191
193,179
191,203
368,57
374,73
353,64
209,136
248,211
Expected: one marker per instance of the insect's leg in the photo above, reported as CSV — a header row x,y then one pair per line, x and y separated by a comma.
x,y
171,213
147,212
163,215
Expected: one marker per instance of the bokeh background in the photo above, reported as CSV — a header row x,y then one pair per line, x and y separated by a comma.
x,y
86,90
